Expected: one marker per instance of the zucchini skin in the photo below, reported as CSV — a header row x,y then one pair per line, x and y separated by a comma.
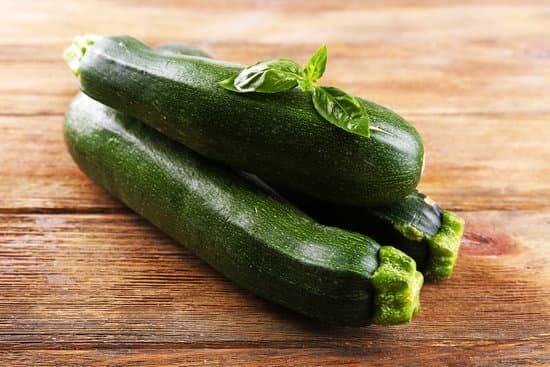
x,y
279,137
183,49
268,247
415,225
378,222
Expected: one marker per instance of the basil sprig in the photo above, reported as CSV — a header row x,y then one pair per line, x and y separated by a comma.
x,y
279,75
342,110
315,67
271,76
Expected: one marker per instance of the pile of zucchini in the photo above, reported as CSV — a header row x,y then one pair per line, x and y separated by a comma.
x,y
259,185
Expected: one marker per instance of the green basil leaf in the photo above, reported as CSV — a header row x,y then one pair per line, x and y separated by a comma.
x,y
315,67
306,85
340,109
271,76
229,84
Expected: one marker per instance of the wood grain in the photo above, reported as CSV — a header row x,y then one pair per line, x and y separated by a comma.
x,y
461,150
84,281
455,58
112,281
461,354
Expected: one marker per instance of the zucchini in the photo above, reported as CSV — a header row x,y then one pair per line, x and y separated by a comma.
x,y
270,248
416,225
182,49
279,137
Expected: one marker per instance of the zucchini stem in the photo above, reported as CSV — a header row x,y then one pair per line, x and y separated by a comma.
x,y
397,286
444,245
75,52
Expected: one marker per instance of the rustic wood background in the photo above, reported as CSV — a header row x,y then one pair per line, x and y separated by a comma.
x,y
84,281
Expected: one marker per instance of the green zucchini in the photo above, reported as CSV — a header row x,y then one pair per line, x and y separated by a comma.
x,y
268,247
416,225
182,49
279,137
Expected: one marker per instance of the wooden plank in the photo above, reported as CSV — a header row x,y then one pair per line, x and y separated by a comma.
x,y
38,173
440,83
519,353
473,163
486,162
411,58
113,281
83,281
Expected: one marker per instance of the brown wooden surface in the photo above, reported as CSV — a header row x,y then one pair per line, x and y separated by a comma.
x,y
83,281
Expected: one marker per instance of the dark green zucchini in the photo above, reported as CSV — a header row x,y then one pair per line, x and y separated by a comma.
x,y
268,247
416,225
278,136
183,49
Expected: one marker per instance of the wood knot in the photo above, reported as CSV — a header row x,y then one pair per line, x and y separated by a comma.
x,y
486,241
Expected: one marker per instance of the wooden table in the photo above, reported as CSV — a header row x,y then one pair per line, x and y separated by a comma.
x,y
84,281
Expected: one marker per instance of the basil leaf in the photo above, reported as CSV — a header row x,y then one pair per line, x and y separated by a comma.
x,y
269,76
278,75
340,109
315,67
306,85
229,84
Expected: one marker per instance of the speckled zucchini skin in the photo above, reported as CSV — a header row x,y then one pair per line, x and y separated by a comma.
x,y
380,222
183,49
415,225
260,243
279,137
